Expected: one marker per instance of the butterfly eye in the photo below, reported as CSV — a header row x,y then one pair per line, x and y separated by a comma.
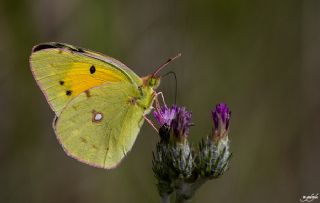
x,y
154,82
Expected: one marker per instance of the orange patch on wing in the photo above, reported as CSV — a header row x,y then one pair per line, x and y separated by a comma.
x,y
81,72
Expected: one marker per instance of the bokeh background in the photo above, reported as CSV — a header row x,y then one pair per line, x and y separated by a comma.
x,y
260,57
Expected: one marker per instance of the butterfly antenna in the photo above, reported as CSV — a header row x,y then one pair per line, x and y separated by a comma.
x,y
176,84
165,64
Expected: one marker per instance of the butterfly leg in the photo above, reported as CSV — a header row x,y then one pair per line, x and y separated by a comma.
x,y
161,94
157,103
150,123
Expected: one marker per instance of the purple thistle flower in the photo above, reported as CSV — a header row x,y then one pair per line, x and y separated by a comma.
x,y
221,117
176,118
181,123
164,115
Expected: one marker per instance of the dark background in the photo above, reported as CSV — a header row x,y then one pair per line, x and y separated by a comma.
x,y
260,57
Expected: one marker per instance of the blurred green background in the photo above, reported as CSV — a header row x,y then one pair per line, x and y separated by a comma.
x,y
260,57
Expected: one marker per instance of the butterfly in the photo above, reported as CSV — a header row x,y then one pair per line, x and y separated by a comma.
x,y
99,103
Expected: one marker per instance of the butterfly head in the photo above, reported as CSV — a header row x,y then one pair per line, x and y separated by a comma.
x,y
151,81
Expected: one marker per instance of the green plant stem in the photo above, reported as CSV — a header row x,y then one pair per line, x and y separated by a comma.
x,y
165,198
185,191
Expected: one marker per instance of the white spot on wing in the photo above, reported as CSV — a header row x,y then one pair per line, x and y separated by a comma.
x,y
98,117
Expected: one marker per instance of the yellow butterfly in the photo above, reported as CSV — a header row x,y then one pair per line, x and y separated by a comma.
x,y
100,104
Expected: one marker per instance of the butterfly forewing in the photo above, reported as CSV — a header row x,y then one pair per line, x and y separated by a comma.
x,y
63,72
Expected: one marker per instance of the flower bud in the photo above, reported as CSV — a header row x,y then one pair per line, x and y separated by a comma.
x,y
213,158
181,124
221,117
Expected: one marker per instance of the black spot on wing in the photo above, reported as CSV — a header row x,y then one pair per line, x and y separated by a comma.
x,y
68,92
92,69
61,82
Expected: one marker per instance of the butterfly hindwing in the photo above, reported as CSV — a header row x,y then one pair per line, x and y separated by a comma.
x,y
64,71
99,127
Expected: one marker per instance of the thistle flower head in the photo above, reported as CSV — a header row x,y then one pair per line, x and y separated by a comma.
x,y
176,119
221,117
181,123
164,115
